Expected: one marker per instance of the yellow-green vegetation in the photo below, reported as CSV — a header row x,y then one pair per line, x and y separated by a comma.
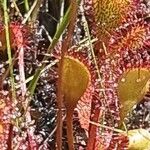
x,y
132,87
75,79
139,139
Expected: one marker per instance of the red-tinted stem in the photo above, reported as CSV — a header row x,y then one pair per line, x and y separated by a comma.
x,y
69,123
10,137
65,46
91,145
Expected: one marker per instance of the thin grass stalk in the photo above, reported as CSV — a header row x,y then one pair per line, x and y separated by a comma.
x,y
22,72
36,10
28,15
26,4
57,35
17,8
6,21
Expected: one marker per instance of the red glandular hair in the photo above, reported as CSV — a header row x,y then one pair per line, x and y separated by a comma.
x,y
130,36
20,36
104,16
11,134
112,69
127,48
5,119
127,51
89,105
119,142
84,104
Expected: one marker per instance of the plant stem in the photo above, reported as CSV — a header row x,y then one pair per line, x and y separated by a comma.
x,y
36,10
26,3
65,46
22,72
17,9
7,34
10,137
57,35
27,17
69,123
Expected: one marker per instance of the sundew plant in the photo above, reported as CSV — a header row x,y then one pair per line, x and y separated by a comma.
x,y
74,75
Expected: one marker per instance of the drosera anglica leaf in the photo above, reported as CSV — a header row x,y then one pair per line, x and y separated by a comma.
x,y
132,87
106,15
131,36
139,139
109,14
74,81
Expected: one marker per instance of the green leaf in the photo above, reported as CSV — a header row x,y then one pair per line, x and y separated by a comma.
x,y
60,30
132,87
75,79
